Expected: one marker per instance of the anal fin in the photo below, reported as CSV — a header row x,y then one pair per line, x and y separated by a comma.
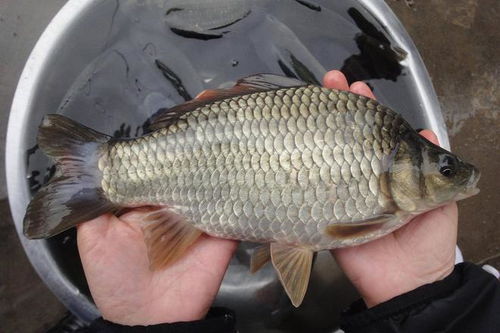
x,y
293,265
168,236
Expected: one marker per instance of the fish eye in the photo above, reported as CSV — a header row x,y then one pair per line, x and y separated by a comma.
x,y
447,166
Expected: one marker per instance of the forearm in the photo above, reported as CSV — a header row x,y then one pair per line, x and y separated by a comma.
x,y
218,320
468,300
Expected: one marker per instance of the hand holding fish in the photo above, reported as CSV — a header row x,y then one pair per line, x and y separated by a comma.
x,y
126,291
421,252
272,160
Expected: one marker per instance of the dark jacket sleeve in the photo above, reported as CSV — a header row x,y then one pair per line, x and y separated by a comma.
x,y
218,320
468,300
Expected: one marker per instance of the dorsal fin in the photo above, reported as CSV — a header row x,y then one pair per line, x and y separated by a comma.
x,y
269,82
247,85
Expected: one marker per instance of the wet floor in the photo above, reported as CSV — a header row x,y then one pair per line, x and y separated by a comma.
x,y
458,41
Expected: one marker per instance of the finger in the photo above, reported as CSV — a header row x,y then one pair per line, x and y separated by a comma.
x,y
219,245
99,223
90,231
362,88
335,80
429,135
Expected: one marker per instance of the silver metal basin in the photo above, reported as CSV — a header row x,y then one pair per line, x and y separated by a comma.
x,y
297,38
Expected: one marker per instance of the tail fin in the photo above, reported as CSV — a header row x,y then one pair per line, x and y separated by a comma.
x,y
74,195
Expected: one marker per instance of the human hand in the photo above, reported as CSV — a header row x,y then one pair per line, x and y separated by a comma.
x,y
127,292
421,252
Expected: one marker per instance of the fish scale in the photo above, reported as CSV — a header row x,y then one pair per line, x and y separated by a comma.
x,y
278,165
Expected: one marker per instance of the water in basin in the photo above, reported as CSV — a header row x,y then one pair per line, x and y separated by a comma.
x,y
161,53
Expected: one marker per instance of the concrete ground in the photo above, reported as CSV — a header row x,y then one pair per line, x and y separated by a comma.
x,y
459,41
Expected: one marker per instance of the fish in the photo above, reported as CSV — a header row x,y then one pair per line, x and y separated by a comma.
x,y
204,20
273,160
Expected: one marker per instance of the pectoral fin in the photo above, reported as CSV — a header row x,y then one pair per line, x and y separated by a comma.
x,y
260,257
293,265
168,236
358,228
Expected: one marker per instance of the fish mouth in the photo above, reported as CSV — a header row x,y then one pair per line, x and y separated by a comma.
x,y
474,179
471,188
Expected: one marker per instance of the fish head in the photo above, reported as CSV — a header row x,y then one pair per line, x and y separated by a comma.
x,y
424,176
446,176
